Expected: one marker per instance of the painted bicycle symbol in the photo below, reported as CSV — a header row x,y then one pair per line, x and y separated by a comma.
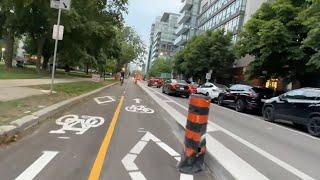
x,y
139,109
76,124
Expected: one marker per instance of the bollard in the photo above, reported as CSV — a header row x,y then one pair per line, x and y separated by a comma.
x,y
195,141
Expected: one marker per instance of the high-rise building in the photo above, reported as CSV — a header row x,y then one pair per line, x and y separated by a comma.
x,y
187,21
162,37
230,15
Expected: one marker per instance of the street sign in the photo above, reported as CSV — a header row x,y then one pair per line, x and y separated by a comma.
x,y
61,4
208,76
55,32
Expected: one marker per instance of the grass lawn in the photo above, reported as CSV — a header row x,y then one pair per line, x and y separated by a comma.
x,y
29,72
16,109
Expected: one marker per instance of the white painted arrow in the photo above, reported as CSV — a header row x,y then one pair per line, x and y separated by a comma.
x,y
104,100
137,100
132,168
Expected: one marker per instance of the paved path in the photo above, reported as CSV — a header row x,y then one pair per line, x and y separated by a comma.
x,y
143,145
277,151
15,89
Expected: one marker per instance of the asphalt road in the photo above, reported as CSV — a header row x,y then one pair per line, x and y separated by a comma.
x,y
76,144
276,150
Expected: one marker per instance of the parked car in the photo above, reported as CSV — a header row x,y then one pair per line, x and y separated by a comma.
x,y
176,87
301,106
211,89
244,97
155,82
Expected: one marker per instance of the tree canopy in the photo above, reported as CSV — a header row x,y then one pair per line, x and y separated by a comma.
x,y
277,37
160,65
94,37
212,50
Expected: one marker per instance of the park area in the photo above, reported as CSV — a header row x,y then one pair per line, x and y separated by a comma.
x,y
24,91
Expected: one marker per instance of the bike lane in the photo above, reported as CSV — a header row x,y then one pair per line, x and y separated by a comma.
x,y
144,144
63,149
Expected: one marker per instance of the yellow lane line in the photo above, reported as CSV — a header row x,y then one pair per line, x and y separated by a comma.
x,y
98,163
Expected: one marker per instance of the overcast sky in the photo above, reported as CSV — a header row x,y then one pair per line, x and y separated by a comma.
x,y
142,14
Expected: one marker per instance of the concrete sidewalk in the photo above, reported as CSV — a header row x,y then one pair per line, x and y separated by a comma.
x,y
14,89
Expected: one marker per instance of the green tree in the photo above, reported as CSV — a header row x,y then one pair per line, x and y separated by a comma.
x,y
212,50
310,17
274,36
159,66
11,15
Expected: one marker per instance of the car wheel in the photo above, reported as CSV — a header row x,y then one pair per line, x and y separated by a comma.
x,y
220,101
268,114
163,91
240,105
314,126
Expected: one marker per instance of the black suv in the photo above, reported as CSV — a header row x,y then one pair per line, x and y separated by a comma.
x,y
244,97
301,106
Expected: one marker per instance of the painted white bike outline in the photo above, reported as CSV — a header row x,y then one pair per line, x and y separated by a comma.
x,y
139,109
69,122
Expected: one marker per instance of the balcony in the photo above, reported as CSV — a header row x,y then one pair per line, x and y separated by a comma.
x,y
182,29
184,17
181,40
187,4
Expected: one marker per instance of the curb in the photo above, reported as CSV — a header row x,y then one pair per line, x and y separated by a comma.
x,y
219,172
9,132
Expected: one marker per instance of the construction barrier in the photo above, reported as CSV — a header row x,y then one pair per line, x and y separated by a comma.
x,y
195,141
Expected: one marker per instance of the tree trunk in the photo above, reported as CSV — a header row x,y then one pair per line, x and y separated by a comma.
x,y
40,44
87,69
45,63
9,50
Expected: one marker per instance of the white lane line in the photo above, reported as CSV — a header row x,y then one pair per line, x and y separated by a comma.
x,y
64,137
137,176
281,163
138,147
168,149
267,155
186,177
148,137
34,169
239,168
128,162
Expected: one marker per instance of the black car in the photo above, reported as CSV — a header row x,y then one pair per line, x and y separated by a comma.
x,y
176,87
301,106
244,97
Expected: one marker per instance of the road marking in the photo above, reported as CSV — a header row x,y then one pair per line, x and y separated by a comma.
x,y
104,100
35,168
76,124
98,163
267,155
137,176
138,147
139,109
186,177
64,137
128,160
137,100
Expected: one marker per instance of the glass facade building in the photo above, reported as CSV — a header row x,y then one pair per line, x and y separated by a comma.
x,y
162,37
187,22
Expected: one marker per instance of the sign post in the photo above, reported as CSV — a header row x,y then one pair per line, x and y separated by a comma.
x,y
57,4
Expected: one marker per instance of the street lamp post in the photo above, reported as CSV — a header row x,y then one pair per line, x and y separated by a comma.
x,y
2,51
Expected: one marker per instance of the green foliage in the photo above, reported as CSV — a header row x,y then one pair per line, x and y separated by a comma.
x,y
275,36
209,51
159,66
